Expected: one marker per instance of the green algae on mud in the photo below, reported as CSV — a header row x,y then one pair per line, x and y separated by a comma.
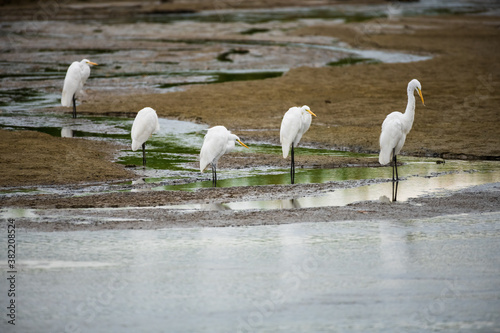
x,y
220,77
352,61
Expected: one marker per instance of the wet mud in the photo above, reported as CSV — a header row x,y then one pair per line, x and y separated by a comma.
x,y
80,216
32,158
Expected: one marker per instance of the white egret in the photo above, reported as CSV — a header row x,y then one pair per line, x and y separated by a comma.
x,y
218,141
395,128
295,123
145,124
75,78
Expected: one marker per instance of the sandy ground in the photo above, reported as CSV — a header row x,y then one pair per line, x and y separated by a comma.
x,y
460,120
54,161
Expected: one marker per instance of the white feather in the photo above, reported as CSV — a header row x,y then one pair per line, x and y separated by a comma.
x,y
397,125
145,124
76,76
217,142
295,123
392,136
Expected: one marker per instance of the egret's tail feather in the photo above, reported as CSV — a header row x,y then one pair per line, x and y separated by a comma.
x,y
66,99
286,149
136,145
203,163
384,157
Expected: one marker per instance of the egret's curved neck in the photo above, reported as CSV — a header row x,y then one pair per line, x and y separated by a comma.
x,y
410,109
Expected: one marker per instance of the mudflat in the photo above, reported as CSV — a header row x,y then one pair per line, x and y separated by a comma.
x,y
460,119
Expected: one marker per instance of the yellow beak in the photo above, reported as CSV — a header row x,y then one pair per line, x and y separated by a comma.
x,y
92,63
421,97
241,143
311,112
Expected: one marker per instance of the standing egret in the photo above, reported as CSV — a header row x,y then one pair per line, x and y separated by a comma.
x,y
145,124
218,141
75,78
295,123
395,128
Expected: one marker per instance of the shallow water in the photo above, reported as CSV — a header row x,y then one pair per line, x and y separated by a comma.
x,y
438,274
411,188
356,185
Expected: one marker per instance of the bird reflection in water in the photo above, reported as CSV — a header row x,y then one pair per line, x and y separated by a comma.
x,y
395,190
290,203
66,132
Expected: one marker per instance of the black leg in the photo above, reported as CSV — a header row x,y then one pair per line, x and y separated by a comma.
x,y
396,166
395,190
393,162
214,175
392,198
144,154
74,107
292,168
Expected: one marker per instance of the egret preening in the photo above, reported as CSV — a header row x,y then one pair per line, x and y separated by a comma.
x,y
395,128
295,123
145,124
218,141
75,78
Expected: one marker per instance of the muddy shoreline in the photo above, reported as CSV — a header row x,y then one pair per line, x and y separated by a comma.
x,y
460,86
479,199
460,121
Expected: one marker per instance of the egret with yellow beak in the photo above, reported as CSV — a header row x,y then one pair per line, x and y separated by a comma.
x,y
218,141
395,128
76,76
295,123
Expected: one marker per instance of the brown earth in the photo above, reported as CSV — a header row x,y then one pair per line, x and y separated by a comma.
x,y
33,158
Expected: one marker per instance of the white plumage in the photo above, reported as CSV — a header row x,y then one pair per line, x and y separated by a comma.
x,y
397,125
76,76
394,130
295,123
145,124
218,141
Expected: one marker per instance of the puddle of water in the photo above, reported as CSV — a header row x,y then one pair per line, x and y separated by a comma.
x,y
382,56
409,275
60,125
411,187
26,98
269,176
176,144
